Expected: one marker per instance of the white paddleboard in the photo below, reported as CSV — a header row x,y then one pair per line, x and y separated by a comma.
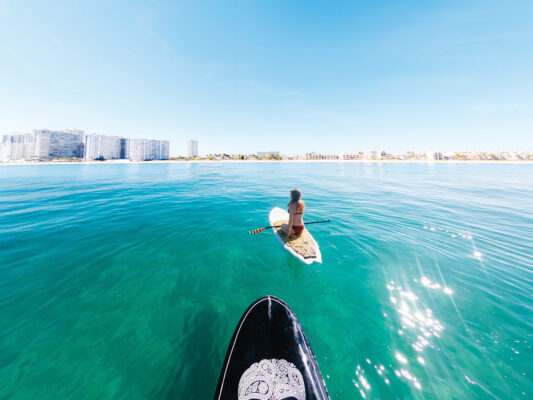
x,y
304,248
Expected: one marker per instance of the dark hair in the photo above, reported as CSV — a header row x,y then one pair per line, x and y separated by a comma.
x,y
295,196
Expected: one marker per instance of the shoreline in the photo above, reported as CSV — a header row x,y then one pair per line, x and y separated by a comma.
x,y
122,162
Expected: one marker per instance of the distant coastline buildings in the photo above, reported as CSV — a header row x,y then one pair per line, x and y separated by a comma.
x,y
362,155
75,145
58,144
102,147
192,148
423,156
17,147
148,149
375,155
46,145
263,155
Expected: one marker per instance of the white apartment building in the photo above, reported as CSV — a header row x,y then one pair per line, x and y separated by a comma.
x,y
149,149
164,149
102,147
17,147
58,144
140,150
192,148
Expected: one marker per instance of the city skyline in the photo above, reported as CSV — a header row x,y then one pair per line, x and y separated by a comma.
x,y
190,144
50,144
95,146
290,76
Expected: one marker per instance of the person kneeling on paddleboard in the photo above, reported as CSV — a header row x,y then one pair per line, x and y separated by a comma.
x,y
295,227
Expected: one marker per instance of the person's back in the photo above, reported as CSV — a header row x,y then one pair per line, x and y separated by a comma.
x,y
296,211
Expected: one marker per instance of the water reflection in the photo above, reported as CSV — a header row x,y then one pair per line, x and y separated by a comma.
x,y
362,383
452,234
418,325
361,380
413,316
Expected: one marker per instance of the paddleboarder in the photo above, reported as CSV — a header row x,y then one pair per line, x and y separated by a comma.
x,y
295,227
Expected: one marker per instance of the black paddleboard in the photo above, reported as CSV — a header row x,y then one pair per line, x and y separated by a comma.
x,y
269,358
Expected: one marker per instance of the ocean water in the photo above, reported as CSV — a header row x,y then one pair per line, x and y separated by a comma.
x,y
127,281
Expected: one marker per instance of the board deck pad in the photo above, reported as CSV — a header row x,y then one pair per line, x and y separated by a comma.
x,y
303,245
304,248
269,358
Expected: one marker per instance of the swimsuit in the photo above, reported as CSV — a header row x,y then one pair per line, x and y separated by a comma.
x,y
298,229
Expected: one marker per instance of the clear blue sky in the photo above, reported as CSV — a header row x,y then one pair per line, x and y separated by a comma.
x,y
294,76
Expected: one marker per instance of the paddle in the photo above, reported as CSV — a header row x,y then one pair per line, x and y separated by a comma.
x,y
255,231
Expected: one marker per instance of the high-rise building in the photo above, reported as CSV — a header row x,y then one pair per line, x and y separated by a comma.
x,y
102,147
42,144
124,148
148,149
79,136
140,150
58,144
164,149
16,147
47,144
192,148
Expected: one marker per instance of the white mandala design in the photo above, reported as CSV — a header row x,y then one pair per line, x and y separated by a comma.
x,y
271,380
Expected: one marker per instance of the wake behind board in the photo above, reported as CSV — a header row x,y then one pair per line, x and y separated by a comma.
x,y
304,248
269,358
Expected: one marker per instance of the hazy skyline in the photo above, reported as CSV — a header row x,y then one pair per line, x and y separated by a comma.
x,y
297,77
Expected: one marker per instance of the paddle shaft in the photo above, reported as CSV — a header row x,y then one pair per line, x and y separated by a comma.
x,y
279,226
305,223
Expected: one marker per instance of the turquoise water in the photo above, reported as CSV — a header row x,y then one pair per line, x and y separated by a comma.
x,y
127,281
